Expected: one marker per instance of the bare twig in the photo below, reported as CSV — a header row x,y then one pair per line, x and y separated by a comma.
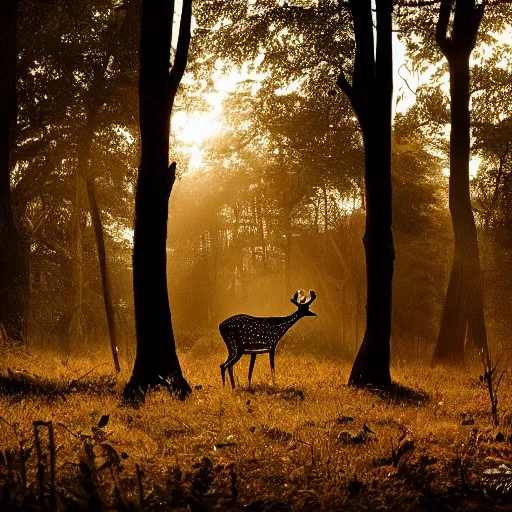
x,y
140,474
23,453
40,464
493,384
405,79
77,436
344,85
89,372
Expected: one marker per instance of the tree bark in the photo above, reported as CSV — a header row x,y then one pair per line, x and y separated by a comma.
x,y
13,261
463,311
371,95
156,360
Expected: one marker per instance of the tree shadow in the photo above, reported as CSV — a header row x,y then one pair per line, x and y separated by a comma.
x,y
18,385
399,394
291,393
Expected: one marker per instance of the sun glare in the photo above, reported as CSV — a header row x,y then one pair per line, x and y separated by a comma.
x,y
193,128
474,164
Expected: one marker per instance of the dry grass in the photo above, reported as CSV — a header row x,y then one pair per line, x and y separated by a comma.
x,y
299,446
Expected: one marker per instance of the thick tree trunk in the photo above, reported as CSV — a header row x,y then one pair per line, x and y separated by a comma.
x,y
156,360
13,261
371,366
463,311
371,95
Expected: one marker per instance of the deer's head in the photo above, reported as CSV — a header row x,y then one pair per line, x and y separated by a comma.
x,y
303,303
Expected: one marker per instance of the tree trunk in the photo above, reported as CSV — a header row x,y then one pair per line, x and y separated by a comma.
x,y
261,231
105,278
76,330
463,309
13,261
326,207
287,251
238,256
371,95
213,236
156,360
371,366
95,99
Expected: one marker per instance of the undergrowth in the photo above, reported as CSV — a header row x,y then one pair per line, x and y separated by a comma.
x,y
310,443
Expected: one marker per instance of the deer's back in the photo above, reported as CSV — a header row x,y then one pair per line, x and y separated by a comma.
x,y
255,329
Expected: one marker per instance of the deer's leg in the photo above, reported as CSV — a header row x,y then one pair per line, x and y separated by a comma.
x,y
251,367
272,366
229,365
232,351
231,377
223,374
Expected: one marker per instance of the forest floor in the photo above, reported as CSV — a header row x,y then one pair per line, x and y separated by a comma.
x,y
309,443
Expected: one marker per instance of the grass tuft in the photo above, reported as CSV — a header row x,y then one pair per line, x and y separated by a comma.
x,y
308,443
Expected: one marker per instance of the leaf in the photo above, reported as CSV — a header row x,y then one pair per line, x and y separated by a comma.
x,y
103,421
111,453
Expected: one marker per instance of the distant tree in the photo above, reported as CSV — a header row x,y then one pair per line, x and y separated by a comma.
x,y
156,360
299,164
464,309
421,233
371,95
13,268
72,125
476,91
99,93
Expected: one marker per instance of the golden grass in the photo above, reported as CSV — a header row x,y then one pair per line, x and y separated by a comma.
x,y
298,446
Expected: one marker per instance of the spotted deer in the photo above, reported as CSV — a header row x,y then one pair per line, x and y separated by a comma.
x,y
244,334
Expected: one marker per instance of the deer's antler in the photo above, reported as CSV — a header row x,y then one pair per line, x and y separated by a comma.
x,y
303,301
312,297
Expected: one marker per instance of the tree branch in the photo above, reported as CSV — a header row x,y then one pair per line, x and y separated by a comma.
x,y
416,3
30,185
442,28
405,79
499,175
363,80
180,60
344,85
477,18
